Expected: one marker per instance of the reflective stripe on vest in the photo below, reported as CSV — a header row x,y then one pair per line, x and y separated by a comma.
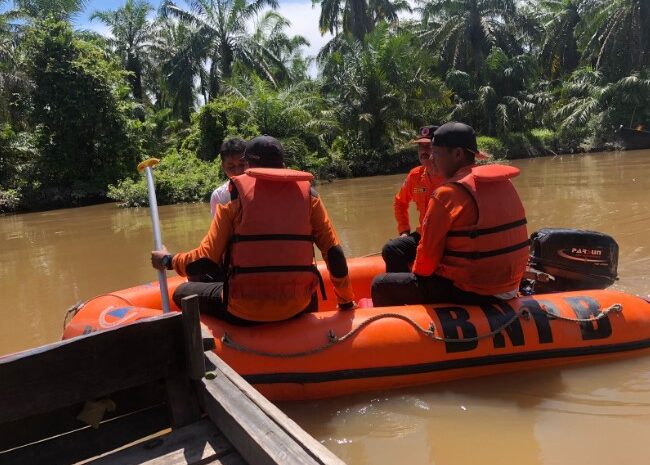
x,y
490,257
272,272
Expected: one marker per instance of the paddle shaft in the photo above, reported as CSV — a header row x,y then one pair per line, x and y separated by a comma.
x,y
157,237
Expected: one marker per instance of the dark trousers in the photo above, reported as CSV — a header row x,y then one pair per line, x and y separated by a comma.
x,y
205,270
211,302
399,253
409,289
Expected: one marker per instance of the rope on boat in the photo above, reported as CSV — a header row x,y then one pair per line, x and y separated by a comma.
x,y
332,339
74,309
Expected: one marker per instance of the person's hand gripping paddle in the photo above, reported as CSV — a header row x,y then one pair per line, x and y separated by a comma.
x,y
146,166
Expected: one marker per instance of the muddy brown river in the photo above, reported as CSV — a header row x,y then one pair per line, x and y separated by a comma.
x,y
591,414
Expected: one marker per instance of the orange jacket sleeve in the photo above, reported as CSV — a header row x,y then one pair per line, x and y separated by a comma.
x,y
214,244
325,238
451,206
401,206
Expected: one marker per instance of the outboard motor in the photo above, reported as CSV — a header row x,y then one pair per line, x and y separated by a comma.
x,y
570,260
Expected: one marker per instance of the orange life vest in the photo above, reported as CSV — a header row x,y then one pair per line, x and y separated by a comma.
x,y
272,275
490,257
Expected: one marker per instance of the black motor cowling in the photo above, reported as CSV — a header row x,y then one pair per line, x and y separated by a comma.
x,y
577,259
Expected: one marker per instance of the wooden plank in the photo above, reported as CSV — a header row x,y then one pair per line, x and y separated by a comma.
x,y
208,338
90,366
182,396
183,401
255,436
26,430
200,442
88,442
192,337
317,450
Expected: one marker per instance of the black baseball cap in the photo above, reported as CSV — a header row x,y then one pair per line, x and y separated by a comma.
x,y
425,134
457,134
265,151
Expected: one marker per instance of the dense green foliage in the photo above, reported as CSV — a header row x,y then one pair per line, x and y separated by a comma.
x,y
79,116
79,110
180,177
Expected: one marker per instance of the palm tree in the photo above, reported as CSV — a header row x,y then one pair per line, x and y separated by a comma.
x,y
502,103
41,9
177,49
270,33
221,27
357,17
590,101
14,83
6,36
559,51
616,36
464,31
132,36
381,89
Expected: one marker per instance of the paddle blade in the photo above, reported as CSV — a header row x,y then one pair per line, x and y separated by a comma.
x,y
148,163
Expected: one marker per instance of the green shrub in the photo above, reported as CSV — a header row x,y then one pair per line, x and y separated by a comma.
x,y
129,193
180,177
491,146
80,115
9,200
223,117
405,158
517,145
571,140
543,140
296,153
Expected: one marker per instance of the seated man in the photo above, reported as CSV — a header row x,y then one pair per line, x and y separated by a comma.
x,y
266,232
232,164
420,183
474,245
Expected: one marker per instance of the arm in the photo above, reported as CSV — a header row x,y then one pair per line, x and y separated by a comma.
x,y
401,207
328,243
450,207
436,224
215,242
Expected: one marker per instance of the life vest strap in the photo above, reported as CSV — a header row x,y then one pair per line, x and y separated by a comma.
x,y
271,237
282,269
489,253
271,269
474,233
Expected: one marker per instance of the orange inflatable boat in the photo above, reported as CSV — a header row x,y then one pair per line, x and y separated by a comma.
x,y
332,353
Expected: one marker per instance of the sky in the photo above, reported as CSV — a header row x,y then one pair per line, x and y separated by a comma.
x,y
301,14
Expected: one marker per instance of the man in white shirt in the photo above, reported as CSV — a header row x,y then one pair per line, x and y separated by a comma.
x,y
232,151
232,164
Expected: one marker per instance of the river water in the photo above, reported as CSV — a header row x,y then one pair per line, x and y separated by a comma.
x,y
591,414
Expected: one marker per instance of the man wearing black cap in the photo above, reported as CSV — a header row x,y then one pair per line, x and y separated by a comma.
x,y
266,233
420,183
474,245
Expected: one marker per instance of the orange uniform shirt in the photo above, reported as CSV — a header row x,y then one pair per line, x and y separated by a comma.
x,y
418,188
215,243
450,207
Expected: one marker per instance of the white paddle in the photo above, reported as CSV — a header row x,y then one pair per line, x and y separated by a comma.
x,y
155,222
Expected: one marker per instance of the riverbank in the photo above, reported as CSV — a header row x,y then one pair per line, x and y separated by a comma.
x,y
183,177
